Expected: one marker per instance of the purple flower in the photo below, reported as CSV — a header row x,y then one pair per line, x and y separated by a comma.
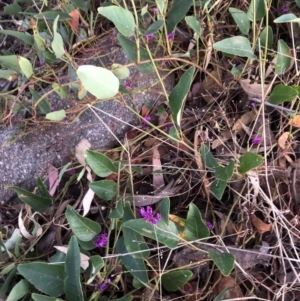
x,y
256,140
253,104
171,36
146,120
104,285
72,171
149,36
169,126
101,240
209,225
41,63
155,10
128,84
149,216
284,9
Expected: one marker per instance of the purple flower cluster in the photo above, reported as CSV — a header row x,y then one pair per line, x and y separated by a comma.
x,y
256,140
101,240
171,36
149,36
149,216
104,285
209,225
146,120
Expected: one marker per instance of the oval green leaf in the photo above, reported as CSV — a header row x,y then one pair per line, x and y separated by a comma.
x,y
266,38
241,20
101,165
18,291
25,66
121,73
249,161
257,10
194,227
207,157
38,297
224,261
24,37
57,44
224,173
218,187
174,280
283,58
285,18
105,189
121,17
56,116
99,81
282,93
238,45
84,228
194,24
155,27
52,276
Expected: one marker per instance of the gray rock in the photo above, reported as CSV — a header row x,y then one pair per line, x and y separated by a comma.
x,y
29,156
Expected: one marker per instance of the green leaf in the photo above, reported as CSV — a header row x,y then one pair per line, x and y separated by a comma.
x,y
223,261
174,280
7,74
135,266
82,227
99,81
72,282
241,20
222,295
154,27
121,17
48,278
56,116
104,189
122,73
194,227
130,50
118,211
249,161
24,37
285,18
84,5
282,93
179,93
177,12
10,62
43,105
101,165
37,203
163,233
207,157
238,45
266,38
218,187
192,22
257,10
42,189
52,15
37,297
164,209
224,173
97,263
60,90
25,66
57,44
133,240
12,9
283,58
18,291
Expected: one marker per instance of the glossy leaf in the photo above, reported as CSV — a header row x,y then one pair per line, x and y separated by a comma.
x,y
282,93
237,45
53,276
241,20
154,27
256,10
194,24
224,173
18,291
174,280
72,281
135,266
130,50
21,36
177,12
101,165
194,227
36,202
84,228
249,161
56,115
104,189
218,187
179,94
163,233
283,58
207,157
223,261
57,44
122,18
99,81
133,240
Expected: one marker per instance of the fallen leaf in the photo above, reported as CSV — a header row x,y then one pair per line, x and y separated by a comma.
x,y
158,178
87,201
81,147
245,119
53,179
144,111
254,89
260,226
74,23
282,140
22,227
295,121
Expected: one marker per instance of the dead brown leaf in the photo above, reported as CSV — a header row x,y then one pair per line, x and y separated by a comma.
x,y
245,119
158,178
260,226
254,89
74,22
295,121
282,140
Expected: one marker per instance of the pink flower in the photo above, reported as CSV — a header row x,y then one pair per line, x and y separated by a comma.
x,y
149,216
146,120
155,10
149,36
171,36
256,140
